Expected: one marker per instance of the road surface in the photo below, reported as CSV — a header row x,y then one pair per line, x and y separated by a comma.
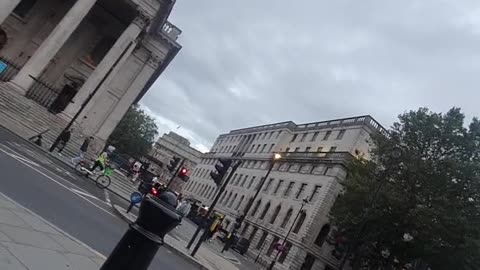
x,y
73,203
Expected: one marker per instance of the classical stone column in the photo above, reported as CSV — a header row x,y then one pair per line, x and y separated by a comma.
x,y
6,7
127,99
130,34
52,44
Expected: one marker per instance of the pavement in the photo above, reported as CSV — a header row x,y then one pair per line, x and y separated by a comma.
x,y
51,189
28,241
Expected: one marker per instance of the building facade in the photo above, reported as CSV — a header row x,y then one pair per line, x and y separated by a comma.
x,y
173,145
58,52
312,162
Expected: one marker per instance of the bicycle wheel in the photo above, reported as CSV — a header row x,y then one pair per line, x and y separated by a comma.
x,y
102,181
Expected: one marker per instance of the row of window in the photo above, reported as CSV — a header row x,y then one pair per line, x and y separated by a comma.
x,y
280,188
319,240
254,149
261,242
229,199
312,197
309,149
258,136
326,136
256,164
258,148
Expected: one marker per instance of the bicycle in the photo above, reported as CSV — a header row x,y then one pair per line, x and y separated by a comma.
x,y
101,181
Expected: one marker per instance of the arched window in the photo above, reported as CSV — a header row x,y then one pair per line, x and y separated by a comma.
x,y
232,201
223,196
228,198
287,217
322,235
255,209
300,221
239,202
275,214
265,210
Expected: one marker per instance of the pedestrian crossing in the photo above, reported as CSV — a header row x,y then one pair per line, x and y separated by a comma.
x,y
120,185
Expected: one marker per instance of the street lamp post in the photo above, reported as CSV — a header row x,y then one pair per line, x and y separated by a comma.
x,y
275,158
304,202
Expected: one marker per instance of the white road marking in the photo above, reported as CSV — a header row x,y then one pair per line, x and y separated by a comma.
x,y
57,182
84,193
30,152
107,197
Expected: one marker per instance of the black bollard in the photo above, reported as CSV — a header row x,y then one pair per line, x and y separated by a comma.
x,y
138,246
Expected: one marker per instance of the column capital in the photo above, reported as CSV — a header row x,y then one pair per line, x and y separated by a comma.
x,y
142,20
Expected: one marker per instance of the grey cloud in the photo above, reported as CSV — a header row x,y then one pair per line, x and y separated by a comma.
x,y
250,62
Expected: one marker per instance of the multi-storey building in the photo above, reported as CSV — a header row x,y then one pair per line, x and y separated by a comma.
x,y
173,145
312,163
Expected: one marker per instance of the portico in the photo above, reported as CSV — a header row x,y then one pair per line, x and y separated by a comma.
x,y
59,51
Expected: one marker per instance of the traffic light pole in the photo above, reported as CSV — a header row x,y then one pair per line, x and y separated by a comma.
x,y
210,211
176,173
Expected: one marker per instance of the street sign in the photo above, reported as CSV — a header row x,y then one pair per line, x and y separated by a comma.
x,y
280,248
3,66
136,197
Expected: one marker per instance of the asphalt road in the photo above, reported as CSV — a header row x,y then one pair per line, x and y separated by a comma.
x,y
72,203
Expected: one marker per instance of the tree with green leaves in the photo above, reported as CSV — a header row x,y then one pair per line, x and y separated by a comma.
x,y
135,134
417,199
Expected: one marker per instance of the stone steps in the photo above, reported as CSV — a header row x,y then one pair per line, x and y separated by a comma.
x,y
26,118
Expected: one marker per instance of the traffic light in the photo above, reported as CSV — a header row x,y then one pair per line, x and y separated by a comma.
x,y
183,174
222,169
238,222
173,164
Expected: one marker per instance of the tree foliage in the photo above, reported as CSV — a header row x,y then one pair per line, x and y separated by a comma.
x,y
422,204
135,134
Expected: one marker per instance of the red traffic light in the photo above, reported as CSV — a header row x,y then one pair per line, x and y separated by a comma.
x,y
183,172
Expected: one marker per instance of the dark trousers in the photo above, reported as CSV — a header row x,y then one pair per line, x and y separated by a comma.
x,y
61,145
97,164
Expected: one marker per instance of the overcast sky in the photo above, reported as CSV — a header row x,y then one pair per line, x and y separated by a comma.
x,y
252,62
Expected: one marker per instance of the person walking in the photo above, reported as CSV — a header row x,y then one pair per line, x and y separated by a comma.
x,y
184,207
64,138
83,150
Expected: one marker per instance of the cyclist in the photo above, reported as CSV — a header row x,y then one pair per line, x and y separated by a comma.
x,y
101,160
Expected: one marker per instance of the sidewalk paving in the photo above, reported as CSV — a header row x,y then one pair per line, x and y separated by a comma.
x,y
28,242
205,258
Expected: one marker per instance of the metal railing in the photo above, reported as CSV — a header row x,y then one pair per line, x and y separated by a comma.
x,y
42,92
10,71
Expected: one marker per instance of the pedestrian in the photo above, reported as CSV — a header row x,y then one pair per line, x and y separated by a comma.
x,y
184,207
63,140
136,171
83,150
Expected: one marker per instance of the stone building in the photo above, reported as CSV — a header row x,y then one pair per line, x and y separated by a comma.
x,y
173,145
58,52
312,162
